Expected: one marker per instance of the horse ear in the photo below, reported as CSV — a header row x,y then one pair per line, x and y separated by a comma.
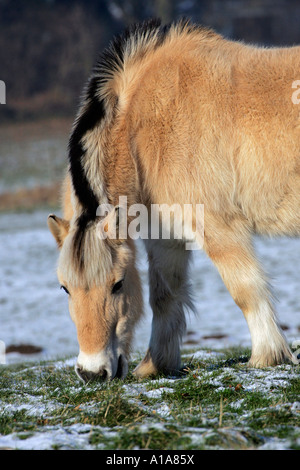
x,y
59,228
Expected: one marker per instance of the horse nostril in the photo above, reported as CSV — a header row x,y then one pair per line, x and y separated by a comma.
x,y
88,376
84,375
102,374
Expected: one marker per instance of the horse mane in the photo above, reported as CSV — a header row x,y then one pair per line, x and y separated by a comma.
x,y
98,108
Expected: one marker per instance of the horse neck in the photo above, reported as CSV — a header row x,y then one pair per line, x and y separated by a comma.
x,y
119,171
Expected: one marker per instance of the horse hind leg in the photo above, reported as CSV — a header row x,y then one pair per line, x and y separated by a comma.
x,y
169,297
230,249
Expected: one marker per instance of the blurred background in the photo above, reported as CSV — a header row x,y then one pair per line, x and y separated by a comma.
x,y
47,49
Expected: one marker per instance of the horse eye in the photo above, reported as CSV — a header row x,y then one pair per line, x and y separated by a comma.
x,y
65,289
117,286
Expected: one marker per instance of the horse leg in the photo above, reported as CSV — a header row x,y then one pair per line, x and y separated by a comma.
x,y
169,296
230,248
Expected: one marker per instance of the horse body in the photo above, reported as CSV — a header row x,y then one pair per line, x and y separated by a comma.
x,y
178,116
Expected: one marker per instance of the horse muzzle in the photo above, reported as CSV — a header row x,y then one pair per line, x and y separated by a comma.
x,y
101,366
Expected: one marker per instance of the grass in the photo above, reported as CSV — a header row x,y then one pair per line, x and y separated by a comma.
x,y
218,403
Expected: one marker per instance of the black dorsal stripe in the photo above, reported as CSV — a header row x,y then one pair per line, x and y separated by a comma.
x,y
93,109
86,122
93,112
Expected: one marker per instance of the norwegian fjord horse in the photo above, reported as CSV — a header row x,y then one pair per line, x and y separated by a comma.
x,y
178,115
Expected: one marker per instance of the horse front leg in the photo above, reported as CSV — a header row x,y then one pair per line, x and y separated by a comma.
x,y
169,297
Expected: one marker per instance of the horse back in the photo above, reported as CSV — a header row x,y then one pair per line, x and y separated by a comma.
x,y
214,122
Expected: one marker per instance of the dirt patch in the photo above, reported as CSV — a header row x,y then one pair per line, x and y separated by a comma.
x,y
217,336
23,349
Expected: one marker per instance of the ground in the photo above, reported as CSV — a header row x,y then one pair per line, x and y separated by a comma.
x,y
218,403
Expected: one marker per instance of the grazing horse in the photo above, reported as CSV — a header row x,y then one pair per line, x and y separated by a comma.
x,y
178,115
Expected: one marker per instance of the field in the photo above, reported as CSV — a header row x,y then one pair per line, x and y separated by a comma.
x,y
217,402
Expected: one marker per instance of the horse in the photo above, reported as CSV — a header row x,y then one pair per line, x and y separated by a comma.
x,y
177,114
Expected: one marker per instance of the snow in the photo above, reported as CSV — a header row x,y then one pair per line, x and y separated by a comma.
x,y
257,380
33,310
77,436
74,437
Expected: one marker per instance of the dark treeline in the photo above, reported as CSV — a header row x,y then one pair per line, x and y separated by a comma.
x,y
47,47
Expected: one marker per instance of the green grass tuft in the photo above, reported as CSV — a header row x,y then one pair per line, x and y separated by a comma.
x,y
218,403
